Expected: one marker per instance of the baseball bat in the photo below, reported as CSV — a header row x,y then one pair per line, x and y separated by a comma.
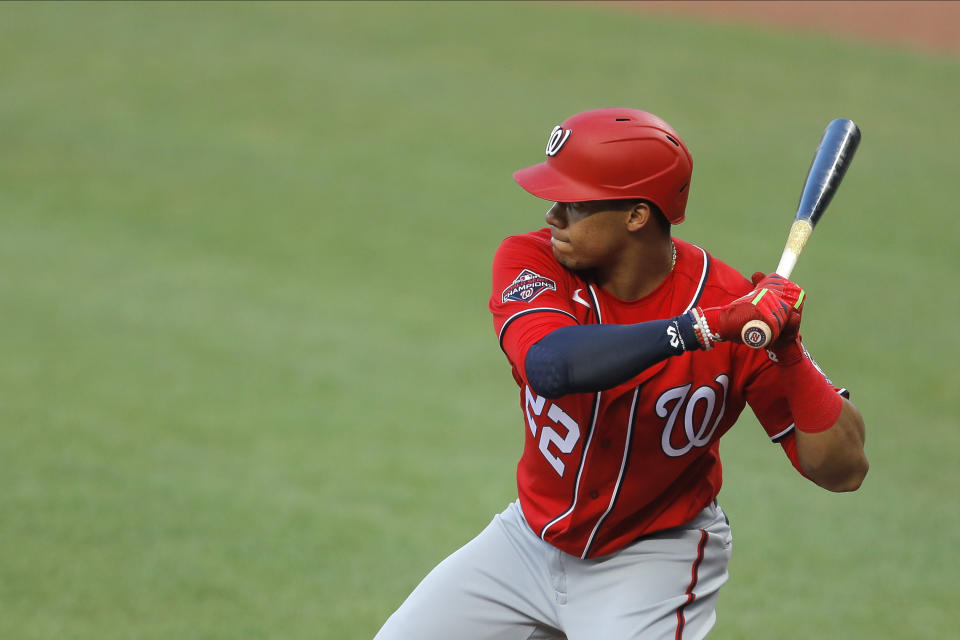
x,y
830,162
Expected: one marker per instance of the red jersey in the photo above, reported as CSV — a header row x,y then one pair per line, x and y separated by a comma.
x,y
599,470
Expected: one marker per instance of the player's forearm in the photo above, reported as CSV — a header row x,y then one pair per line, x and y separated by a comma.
x,y
588,358
835,458
829,429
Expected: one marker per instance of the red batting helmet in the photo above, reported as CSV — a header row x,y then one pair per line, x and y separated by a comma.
x,y
613,154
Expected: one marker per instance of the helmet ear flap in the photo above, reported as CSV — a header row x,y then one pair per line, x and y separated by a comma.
x,y
680,203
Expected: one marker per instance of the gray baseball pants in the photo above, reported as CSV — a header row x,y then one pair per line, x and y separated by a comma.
x,y
508,584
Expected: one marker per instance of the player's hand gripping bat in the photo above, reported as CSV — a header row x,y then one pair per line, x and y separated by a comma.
x,y
830,162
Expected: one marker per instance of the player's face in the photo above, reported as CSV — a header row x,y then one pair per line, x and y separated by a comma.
x,y
586,235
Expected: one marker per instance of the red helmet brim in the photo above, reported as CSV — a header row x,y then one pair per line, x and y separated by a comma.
x,y
545,182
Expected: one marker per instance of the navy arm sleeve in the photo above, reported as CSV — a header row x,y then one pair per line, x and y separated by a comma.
x,y
588,358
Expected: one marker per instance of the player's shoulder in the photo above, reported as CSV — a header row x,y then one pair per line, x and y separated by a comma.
x,y
727,279
527,249
722,282
533,242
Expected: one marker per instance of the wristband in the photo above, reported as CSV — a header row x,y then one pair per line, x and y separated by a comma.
x,y
705,337
814,404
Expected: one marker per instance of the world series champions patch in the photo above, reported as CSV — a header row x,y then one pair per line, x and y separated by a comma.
x,y
527,286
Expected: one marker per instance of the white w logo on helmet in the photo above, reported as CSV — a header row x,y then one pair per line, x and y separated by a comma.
x,y
557,139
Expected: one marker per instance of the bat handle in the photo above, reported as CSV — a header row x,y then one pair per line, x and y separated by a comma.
x,y
757,334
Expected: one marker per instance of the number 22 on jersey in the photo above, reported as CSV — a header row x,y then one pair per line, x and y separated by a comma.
x,y
548,435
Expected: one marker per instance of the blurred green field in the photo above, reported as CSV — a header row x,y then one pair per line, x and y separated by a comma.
x,y
249,387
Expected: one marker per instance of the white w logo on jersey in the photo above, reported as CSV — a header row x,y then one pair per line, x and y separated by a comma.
x,y
681,418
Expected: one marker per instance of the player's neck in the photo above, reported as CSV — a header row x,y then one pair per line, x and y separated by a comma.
x,y
639,270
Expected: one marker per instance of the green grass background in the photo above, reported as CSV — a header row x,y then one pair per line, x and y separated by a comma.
x,y
249,387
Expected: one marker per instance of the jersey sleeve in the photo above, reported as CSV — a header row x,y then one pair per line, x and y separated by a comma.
x,y
530,296
764,394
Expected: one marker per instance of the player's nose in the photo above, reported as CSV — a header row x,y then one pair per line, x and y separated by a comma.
x,y
556,215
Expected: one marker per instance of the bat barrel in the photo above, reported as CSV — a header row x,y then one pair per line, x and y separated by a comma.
x,y
830,162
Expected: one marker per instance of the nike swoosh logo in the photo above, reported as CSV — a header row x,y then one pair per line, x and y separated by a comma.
x,y
577,298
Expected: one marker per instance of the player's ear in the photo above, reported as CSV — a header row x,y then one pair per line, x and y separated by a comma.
x,y
639,216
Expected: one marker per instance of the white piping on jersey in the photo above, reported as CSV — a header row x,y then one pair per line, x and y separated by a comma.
x,y
816,366
526,311
783,433
576,484
596,302
623,469
586,445
703,280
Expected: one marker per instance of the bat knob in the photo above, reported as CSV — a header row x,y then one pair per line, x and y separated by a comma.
x,y
756,334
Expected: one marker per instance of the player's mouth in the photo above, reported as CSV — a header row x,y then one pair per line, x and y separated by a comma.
x,y
554,240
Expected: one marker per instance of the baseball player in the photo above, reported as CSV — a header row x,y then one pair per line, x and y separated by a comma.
x,y
625,345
